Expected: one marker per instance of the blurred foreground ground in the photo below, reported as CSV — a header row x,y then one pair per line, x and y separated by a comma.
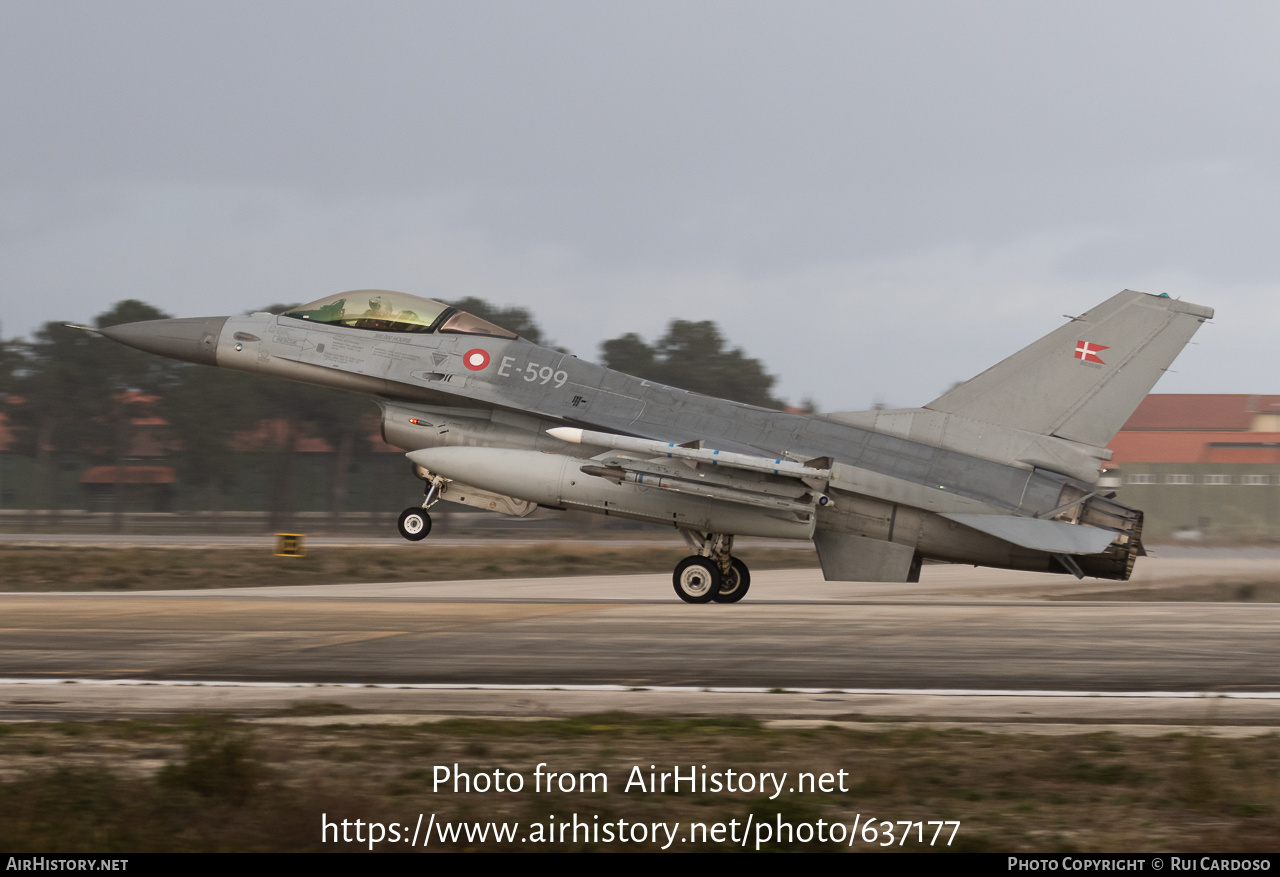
x,y
599,672
212,784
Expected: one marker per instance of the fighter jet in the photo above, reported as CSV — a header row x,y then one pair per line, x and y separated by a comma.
x,y
1001,470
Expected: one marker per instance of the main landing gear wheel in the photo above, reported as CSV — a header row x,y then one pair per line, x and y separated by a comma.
x,y
696,579
733,587
414,524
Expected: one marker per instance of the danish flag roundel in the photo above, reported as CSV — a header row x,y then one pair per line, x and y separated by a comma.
x,y
475,359
1088,351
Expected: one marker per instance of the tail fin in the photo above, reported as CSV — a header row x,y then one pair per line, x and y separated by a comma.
x,y
1083,381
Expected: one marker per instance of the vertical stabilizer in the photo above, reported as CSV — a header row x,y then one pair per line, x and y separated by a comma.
x,y
1083,381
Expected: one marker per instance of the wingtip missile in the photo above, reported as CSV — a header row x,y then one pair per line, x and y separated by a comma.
x,y
709,456
566,434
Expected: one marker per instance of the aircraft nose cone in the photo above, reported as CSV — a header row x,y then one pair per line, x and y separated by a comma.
x,y
191,339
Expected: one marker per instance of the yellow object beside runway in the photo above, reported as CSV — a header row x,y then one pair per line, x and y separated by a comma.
x,y
291,545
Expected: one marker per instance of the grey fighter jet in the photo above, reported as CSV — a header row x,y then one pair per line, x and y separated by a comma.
x,y
999,471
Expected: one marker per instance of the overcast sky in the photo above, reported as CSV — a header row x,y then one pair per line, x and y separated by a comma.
x,y
877,199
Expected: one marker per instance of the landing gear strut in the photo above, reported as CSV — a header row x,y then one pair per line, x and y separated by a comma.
x,y
712,573
415,523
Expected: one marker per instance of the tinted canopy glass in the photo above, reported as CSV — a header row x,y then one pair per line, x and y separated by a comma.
x,y
378,309
386,311
462,323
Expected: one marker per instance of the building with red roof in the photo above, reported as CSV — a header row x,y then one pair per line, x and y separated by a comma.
x,y
1201,466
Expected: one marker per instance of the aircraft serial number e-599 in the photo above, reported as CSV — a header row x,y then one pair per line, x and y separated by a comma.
x,y
1001,470
542,374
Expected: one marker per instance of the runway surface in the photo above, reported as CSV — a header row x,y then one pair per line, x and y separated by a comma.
x,y
960,628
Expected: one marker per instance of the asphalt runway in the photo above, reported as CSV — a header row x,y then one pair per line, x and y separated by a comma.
x,y
960,628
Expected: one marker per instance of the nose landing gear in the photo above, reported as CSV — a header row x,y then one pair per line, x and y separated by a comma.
x,y
415,523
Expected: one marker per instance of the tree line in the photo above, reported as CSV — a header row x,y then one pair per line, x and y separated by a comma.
x,y
66,393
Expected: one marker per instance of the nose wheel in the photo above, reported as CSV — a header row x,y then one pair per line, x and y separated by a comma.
x,y
414,524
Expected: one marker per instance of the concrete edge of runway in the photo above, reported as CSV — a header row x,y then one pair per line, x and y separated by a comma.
x,y
1236,714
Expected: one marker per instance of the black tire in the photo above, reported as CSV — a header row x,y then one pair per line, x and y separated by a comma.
x,y
414,524
733,587
696,579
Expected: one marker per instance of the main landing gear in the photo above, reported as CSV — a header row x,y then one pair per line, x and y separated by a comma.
x,y
415,523
712,574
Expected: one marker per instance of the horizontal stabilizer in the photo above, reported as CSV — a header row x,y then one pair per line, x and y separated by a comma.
x,y
1057,537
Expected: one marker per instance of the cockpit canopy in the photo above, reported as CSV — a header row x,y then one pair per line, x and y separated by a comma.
x,y
385,311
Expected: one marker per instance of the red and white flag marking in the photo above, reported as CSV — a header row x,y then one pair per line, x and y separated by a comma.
x,y
1089,352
